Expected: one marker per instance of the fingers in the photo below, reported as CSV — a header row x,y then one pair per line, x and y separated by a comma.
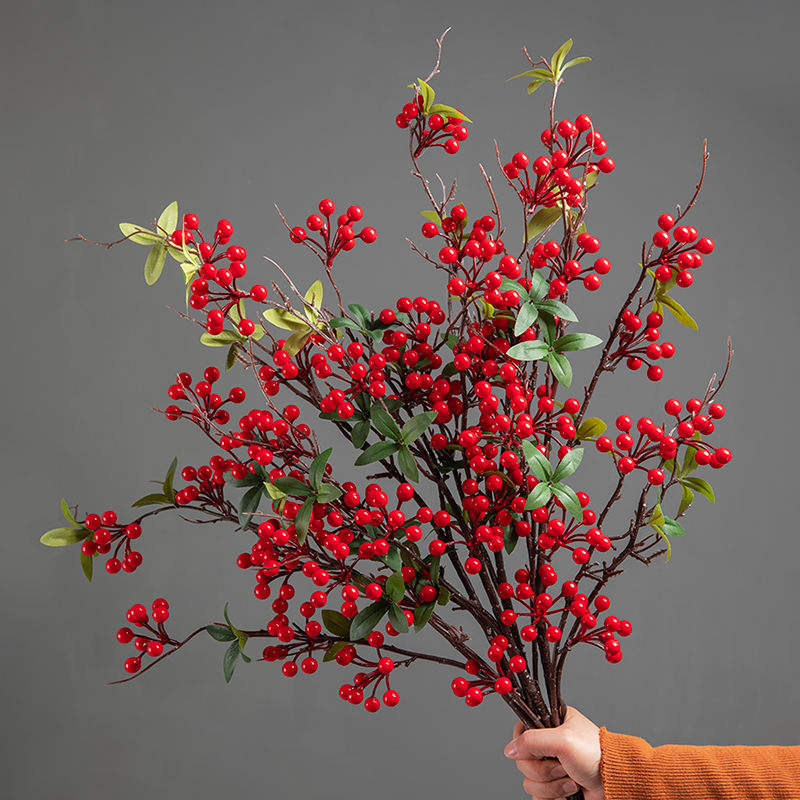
x,y
552,790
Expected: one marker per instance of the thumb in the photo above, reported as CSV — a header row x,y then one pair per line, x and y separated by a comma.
x,y
539,743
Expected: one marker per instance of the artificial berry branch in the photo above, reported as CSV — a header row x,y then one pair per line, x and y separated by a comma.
x,y
461,413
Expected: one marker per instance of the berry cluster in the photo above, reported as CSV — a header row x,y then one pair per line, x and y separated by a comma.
x,y
431,128
563,176
215,281
105,532
147,645
331,242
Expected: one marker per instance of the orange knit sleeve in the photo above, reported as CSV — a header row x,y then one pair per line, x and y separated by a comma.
x,y
633,770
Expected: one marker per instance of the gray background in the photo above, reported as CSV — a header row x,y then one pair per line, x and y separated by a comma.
x,y
111,111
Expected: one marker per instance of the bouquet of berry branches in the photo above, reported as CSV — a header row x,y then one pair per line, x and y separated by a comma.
x,y
463,412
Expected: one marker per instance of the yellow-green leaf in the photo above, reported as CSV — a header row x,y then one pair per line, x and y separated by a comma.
x,y
297,341
679,312
221,339
591,428
533,86
155,263
284,319
168,221
60,537
139,235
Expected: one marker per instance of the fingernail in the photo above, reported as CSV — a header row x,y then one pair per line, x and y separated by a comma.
x,y
558,772
569,787
511,750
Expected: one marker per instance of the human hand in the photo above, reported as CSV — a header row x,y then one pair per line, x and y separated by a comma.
x,y
576,745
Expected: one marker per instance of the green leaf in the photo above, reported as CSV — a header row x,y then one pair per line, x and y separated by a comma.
x,y
539,497
434,565
155,263
221,634
557,309
138,235
510,540
361,314
539,286
345,322
61,537
249,505
303,519
65,510
432,216
422,613
293,487
87,565
384,423
448,111
238,633
169,491
168,221
560,55
223,339
362,402
567,497
395,587
393,560
330,653
427,94
152,500
273,491
230,359
576,341
416,426
509,285
687,498
316,472
337,623
591,428
528,351
561,368
444,596
408,464
328,493
243,483
533,86
360,433
377,452
230,659
527,316
689,463
398,619
543,219
365,621
673,528
679,312
537,461
700,485
568,464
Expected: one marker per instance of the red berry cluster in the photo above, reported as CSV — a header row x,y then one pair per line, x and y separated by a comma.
x,y
217,282
564,271
433,130
147,645
206,404
331,242
680,253
654,442
105,532
549,179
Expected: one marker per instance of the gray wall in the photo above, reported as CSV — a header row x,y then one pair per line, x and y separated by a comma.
x,y
111,111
